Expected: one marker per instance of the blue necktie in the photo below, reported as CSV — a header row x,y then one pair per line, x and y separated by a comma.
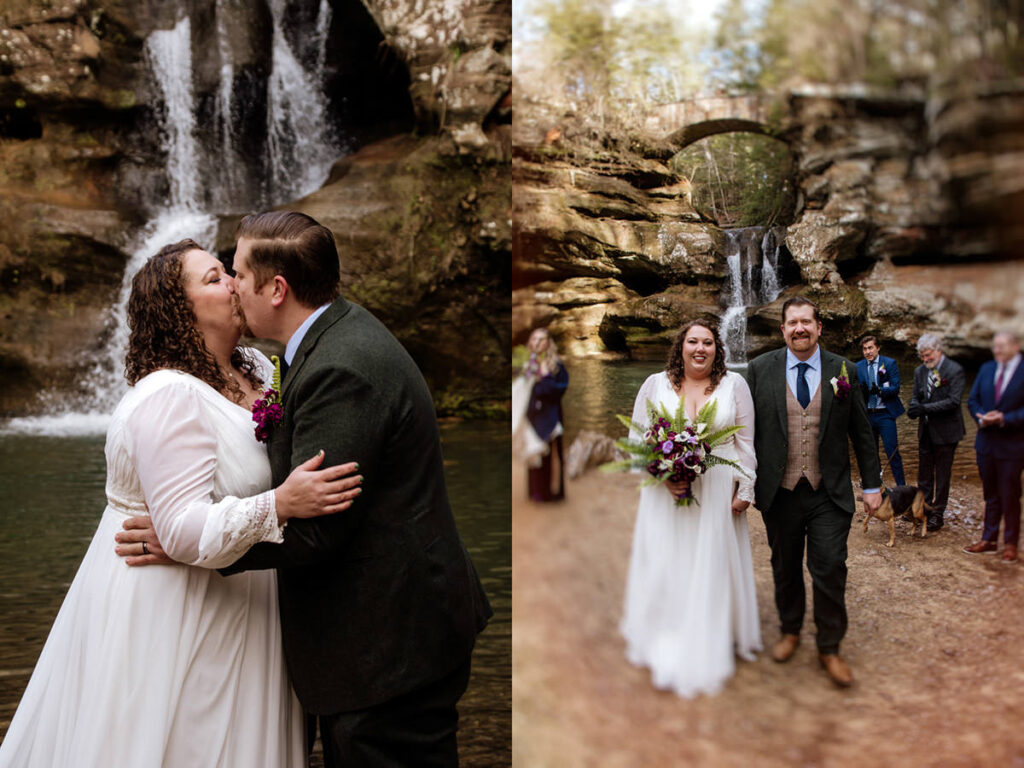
x,y
803,392
874,382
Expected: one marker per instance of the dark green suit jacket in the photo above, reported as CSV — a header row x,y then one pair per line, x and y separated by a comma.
x,y
382,598
840,420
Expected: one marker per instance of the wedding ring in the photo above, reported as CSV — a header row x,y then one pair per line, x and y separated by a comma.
x,y
145,549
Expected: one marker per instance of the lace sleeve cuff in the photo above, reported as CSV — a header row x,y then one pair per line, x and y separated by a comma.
x,y
241,524
745,492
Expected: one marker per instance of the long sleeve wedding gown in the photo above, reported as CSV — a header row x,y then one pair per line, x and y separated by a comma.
x,y
171,666
690,603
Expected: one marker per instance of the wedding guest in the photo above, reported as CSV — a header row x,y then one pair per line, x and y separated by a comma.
x,y
938,389
880,385
996,402
541,437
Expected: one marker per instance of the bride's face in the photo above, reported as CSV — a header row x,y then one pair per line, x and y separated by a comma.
x,y
698,352
209,288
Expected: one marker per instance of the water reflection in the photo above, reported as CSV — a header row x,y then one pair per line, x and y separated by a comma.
x,y
53,498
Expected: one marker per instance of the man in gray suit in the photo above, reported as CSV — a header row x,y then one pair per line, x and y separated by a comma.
x,y
805,412
938,389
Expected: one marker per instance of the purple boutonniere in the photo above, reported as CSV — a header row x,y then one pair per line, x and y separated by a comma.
x,y
267,412
841,384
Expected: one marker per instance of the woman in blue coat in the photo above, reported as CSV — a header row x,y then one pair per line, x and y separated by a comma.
x,y
549,380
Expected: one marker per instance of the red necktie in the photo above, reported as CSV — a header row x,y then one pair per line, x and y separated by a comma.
x,y
999,383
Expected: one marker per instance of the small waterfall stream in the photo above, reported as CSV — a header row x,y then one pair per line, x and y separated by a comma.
x,y
205,163
753,259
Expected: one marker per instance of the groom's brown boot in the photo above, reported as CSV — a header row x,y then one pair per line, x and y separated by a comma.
x,y
784,649
837,669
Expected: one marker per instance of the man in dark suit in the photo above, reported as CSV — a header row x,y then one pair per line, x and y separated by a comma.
x,y
997,403
880,386
380,605
938,389
805,412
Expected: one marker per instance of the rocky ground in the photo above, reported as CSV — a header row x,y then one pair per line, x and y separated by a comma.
x,y
933,642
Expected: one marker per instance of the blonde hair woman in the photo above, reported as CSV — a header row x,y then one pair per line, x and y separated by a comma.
x,y
537,415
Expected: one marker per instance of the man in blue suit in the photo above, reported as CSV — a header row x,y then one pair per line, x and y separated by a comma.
x,y
996,403
880,385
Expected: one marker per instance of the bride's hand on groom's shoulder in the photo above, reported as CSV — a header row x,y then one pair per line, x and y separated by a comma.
x,y
311,492
138,544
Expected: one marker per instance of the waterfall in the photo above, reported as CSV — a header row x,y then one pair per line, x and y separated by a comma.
x,y
752,257
204,163
299,140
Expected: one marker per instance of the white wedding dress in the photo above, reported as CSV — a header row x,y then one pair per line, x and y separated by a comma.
x,y
169,666
690,604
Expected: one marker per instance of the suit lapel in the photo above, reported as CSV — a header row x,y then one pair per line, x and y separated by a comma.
x,y
333,313
1015,381
777,377
829,368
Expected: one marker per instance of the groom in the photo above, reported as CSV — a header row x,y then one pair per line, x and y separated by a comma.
x,y
380,605
802,423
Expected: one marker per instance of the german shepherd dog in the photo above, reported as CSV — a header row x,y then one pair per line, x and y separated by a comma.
x,y
898,501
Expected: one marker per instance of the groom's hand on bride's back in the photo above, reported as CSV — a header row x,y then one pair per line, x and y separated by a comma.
x,y
138,544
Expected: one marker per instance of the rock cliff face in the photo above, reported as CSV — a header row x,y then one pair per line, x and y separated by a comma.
x,y
901,199
82,166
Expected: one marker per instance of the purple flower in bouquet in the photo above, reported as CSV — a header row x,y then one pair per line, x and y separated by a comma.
x,y
674,448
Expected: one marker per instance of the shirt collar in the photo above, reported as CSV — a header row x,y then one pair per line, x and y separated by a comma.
x,y
293,343
814,360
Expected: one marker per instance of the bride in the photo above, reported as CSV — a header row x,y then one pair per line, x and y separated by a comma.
x,y
178,666
690,603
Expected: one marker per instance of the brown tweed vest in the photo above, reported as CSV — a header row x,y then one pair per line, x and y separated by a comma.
x,y
804,425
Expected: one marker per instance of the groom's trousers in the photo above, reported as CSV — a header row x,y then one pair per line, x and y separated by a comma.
x,y
794,517
415,729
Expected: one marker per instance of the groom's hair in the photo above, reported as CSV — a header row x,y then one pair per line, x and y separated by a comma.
x,y
800,301
298,248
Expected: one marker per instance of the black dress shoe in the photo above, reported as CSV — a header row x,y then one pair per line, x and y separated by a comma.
x,y
934,524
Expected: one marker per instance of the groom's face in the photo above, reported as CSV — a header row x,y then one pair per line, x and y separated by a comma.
x,y
254,304
800,329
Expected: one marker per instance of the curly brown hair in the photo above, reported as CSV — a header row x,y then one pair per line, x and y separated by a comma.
x,y
674,366
163,327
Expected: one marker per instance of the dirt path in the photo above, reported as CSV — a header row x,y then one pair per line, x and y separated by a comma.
x,y
936,642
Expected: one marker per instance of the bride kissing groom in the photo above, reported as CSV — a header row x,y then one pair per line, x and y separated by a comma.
x,y
380,605
375,607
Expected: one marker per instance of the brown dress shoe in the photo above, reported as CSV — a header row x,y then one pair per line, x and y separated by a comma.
x,y
784,649
837,669
1010,553
980,546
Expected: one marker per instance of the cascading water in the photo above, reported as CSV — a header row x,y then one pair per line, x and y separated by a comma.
x,y
300,147
299,138
752,256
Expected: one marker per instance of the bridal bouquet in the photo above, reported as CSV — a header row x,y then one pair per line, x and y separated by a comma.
x,y
674,448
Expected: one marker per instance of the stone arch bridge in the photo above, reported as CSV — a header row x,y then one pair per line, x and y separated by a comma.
x,y
684,122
